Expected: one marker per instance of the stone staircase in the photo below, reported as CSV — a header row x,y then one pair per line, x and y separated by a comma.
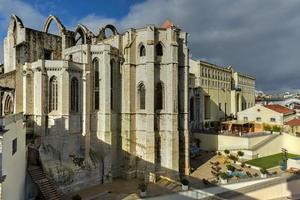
x,y
169,185
264,142
46,185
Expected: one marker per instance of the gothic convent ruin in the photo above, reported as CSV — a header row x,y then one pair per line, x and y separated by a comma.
x,y
97,107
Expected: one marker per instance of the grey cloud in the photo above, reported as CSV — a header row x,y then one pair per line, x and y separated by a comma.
x,y
256,37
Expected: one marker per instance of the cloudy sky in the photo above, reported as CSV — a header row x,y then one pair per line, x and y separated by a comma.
x,y
261,38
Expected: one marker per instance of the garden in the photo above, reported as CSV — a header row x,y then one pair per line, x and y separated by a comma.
x,y
270,161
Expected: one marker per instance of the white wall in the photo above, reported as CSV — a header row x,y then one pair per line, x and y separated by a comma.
x,y
264,113
14,166
222,142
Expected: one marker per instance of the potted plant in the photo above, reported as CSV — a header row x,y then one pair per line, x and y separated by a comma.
x,y
230,169
263,173
226,151
240,154
143,189
185,184
223,178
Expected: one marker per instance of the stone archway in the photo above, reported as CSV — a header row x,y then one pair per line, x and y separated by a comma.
x,y
48,22
102,36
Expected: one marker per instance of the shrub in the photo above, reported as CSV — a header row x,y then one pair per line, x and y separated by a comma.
x,y
276,128
76,197
263,171
142,187
226,151
230,168
240,153
185,182
223,176
267,127
232,157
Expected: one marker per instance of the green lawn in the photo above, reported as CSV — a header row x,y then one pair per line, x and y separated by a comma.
x,y
269,161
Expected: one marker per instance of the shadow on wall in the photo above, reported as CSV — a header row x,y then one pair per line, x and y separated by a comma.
x,y
203,108
132,166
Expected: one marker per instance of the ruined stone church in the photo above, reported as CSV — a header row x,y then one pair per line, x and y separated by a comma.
x,y
100,106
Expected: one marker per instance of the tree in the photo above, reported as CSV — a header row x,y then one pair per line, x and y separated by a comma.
x,y
276,128
267,127
240,153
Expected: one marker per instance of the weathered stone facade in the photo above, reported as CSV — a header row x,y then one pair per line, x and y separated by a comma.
x,y
120,102
217,93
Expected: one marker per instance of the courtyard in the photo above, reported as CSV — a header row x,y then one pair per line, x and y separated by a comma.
x,y
270,161
208,166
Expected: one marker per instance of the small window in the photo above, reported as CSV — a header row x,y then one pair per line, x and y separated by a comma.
x,y
159,96
272,119
192,109
96,83
245,119
74,94
142,96
47,54
53,94
14,146
258,119
159,49
142,51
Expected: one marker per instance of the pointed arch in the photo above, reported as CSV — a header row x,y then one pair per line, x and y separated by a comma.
x,y
96,83
8,105
74,94
142,50
159,49
102,35
15,24
112,81
60,26
192,109
14,19
85,34
53,93
159,96
141,96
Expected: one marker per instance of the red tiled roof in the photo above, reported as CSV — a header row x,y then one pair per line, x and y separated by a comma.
x,y
294,122
280,109
167,24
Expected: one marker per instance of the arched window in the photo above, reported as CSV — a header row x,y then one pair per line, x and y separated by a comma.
x,y
53,94
74,95
192,109
142,96
96,83
142,51
112,82
159,49
159,90
8,105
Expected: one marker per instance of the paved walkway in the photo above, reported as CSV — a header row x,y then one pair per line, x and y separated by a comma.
x,y
208,192
125,190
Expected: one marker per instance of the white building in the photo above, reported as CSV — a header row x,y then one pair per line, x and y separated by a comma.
x,y
216,93
12,157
